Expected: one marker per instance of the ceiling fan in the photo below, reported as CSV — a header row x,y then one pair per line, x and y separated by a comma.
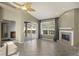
x,y
26,6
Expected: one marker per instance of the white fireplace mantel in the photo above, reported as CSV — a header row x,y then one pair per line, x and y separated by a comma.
x,y
65,28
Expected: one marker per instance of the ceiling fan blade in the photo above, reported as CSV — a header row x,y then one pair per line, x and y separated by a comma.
x,y
28,7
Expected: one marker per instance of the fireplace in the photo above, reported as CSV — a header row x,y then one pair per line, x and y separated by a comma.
x,y
66,37
12,34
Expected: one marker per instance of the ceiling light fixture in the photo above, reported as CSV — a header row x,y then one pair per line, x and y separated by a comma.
x,y
25,6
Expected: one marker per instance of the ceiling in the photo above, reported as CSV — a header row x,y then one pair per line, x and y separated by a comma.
x,y
45,10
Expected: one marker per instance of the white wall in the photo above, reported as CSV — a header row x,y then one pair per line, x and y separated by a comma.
x,y
10,15
67,20
27,17
76,27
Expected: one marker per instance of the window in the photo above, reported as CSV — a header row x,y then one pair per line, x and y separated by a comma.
x,y
51,32
45,32
48,27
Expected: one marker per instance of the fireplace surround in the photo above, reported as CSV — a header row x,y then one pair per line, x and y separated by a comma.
x,y
67,36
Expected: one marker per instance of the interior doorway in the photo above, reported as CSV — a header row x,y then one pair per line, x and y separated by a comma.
x,y
30,30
